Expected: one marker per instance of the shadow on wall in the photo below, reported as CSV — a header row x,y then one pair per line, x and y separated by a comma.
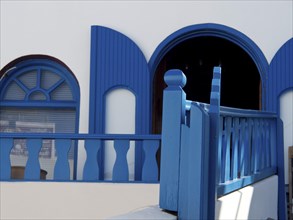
x,y
259,201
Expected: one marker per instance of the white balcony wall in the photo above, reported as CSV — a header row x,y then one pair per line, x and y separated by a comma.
x,y
286,114
61,200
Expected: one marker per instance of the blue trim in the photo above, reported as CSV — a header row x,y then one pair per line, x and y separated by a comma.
x,y
228,187
38,63
215,30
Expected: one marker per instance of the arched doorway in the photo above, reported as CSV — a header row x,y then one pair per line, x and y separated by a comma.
x,y
196,50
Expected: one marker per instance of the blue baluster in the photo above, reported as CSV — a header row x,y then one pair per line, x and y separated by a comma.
x,y
260,146
91,170
150,166
62,168
120,169
254,146
32,169
6,144
247,167
242,147
227,148
235,147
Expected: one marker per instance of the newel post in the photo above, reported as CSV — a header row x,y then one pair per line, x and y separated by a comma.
x,y
214,151
174,101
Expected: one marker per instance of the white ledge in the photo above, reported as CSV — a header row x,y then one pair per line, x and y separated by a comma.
x,y
146,213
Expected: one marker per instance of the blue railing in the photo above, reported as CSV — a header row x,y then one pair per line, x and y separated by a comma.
x,y
209,150
93,145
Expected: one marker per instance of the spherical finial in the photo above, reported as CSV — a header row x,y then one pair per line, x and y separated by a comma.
x,y
175,77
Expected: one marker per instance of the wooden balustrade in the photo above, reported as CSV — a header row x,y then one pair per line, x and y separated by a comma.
x,y
92,144
209,150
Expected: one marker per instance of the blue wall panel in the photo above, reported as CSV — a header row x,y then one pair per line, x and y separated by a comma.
x,y
280,77
116,61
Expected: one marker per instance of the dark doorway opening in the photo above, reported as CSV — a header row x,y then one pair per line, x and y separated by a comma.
x,y
196,57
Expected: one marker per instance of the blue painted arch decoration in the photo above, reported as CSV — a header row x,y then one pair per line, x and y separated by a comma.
x,y
280,77
213,30
117,62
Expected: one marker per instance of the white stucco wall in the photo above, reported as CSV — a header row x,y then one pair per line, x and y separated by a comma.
x,y
61,200
259,201
57,200
286,114
62,29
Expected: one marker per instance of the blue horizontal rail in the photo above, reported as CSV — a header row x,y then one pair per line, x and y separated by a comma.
x,y
93,144
247,147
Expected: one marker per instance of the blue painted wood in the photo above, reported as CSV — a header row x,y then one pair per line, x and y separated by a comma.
x,y
91,170
242,147
247,166
267,144
235,149
174,99
216,123
81,136
220,137
62,168
41,63
150,166
120,169
33,168
262,146
227,150
211,30
273,143
257,146
253,148
6,144
228,187
194,156
117,62
280,77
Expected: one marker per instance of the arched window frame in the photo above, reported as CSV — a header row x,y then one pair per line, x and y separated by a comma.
x,y
40,64
20,66
214,30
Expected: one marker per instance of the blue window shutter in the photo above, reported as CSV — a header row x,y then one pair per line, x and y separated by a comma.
x,y
117,62
280,77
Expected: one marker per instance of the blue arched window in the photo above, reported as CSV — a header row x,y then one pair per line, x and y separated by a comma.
x,y
39,94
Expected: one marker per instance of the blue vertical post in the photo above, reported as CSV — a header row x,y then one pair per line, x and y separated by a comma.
x,y
174,99
193,184
214,159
